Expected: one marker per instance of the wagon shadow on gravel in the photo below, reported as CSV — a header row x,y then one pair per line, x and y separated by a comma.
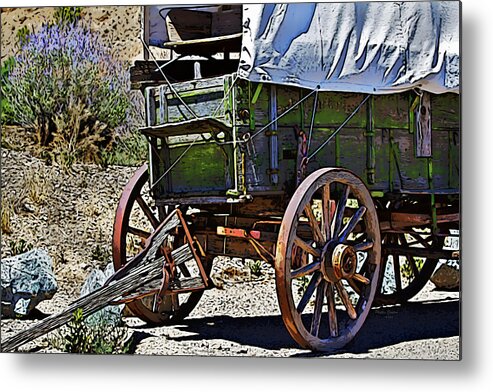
x,y
384,327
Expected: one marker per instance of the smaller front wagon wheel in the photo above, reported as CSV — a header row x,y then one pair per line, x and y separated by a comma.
x,y
329,242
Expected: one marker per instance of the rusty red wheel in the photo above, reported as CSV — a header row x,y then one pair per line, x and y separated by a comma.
x,y
135,220
332,222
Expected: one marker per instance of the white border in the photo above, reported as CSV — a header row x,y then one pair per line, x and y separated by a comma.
x,y
473,373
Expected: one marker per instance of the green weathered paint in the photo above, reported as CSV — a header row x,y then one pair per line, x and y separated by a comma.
x,y
201,170
376,144
391,160
434,220
413,105
258,90
370,143
185,95
338,151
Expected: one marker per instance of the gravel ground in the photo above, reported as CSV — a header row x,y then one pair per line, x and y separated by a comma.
x,y
239,318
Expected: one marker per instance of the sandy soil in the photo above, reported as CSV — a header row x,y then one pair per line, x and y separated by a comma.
x,y
72,216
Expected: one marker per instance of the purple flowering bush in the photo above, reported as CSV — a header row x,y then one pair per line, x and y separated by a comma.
x,y
67,87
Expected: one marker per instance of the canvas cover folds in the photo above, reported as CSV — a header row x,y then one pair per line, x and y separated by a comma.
x,y
367,47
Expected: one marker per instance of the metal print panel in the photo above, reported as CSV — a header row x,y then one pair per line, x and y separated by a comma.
x,y
270,180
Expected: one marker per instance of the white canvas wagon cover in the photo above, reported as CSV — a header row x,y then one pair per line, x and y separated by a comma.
x,y
366,47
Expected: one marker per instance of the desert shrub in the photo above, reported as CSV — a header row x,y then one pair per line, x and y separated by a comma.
x,y
67,87
129,149
82,338
7,211
19,246
64,16
7,116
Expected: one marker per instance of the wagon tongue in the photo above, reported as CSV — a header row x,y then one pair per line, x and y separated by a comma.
x,y
143,275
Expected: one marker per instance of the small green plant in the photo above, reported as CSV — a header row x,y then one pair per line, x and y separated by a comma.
x,y
65,16
23,35
7,114
100,253
20,246
255,267
77,337
302,284
406,270
128,150
81,338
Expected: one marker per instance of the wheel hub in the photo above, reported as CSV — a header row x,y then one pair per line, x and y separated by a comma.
x,y
339,261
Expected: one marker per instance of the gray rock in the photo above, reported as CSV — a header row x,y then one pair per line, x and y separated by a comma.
x,y
26,280
110,315
446,277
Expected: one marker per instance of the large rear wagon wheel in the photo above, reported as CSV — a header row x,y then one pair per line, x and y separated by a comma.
x,y
405,269
135,220
329,239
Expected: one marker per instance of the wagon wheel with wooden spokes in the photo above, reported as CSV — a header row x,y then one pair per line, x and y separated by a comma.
x,y
329,239
135,220
407,265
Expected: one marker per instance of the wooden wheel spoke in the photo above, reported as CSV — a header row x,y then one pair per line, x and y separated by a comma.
x,y
367,245
343,199
133,201
352,223
341,206
312,285
346,301
326,215
184,270
361,278
138,232
317,233
317,311
305,270
306,247
333,328
175,301
397,272
147,212
417,240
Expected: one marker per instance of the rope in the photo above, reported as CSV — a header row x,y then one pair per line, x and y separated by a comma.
x,y
284,113
174,163
315,102
225,95
166,79
339,129
247,137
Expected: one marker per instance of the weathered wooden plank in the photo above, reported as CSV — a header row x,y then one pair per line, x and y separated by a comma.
x,y
420,252
192,126
391,111
445,110
228,20
147,72
204,168
143,268
399,219
183,24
